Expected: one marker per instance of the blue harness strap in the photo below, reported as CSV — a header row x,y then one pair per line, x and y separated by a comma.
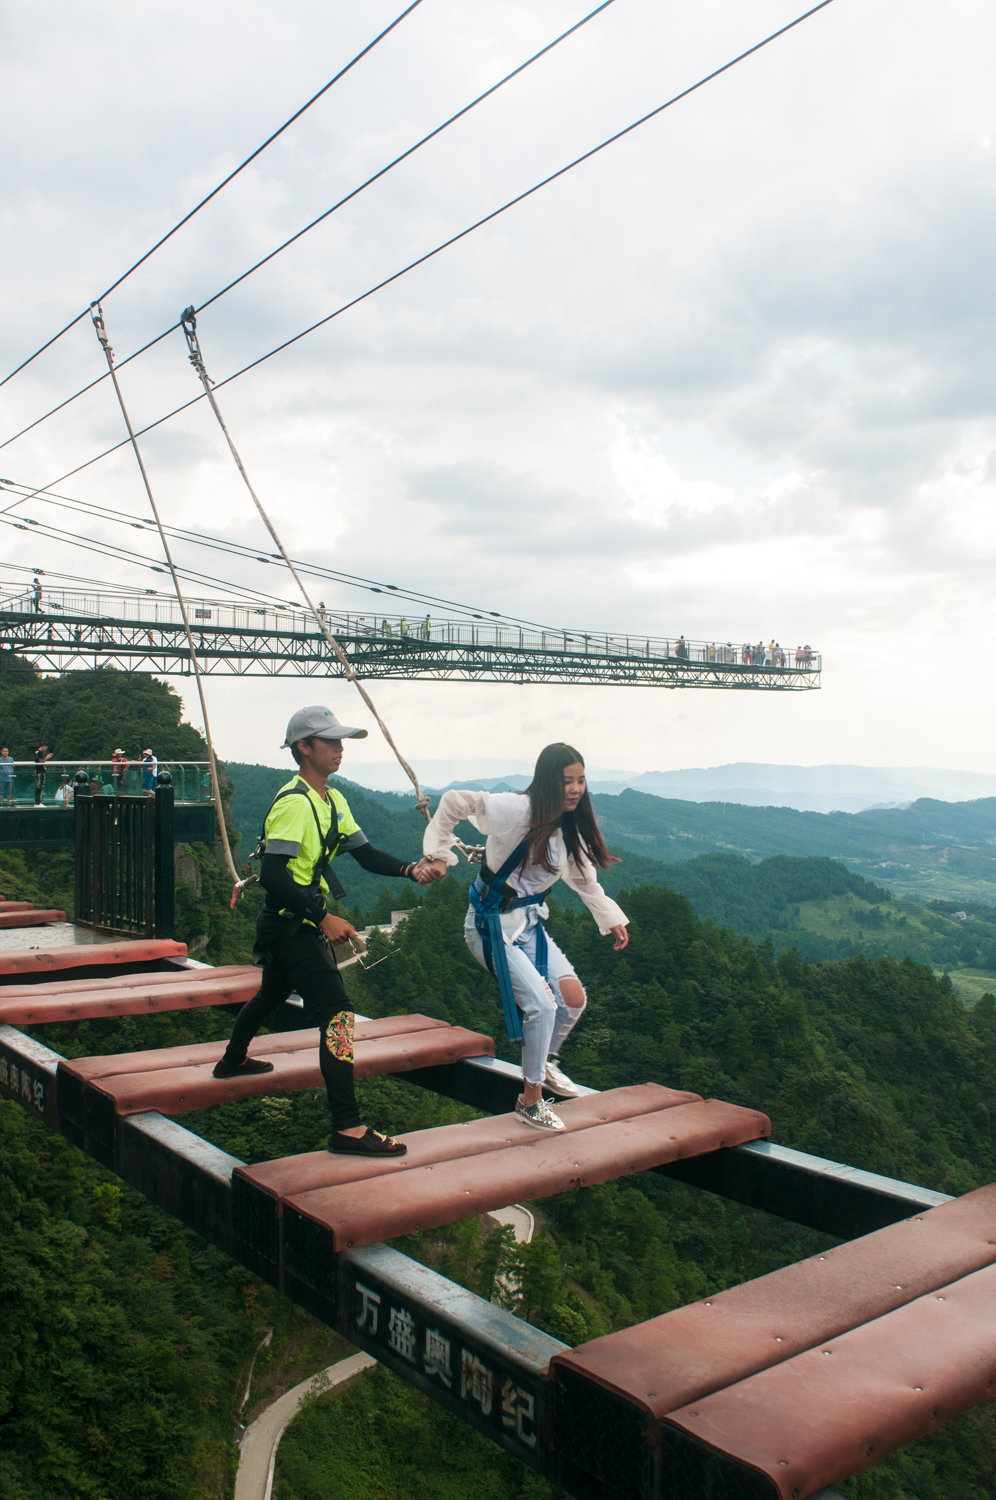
x,y
487,898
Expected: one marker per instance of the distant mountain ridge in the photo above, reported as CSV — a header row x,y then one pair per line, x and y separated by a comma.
x,y
826,788
929,850
829,788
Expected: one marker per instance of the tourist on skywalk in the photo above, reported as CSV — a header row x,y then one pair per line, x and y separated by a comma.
x,y
119,761
6,777
534,838
307,825
42,756
36,595
150,765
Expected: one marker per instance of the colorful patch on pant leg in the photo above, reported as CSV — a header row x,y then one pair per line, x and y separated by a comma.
x,y
339,1036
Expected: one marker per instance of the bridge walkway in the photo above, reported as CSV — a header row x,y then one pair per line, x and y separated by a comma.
x,y
144,633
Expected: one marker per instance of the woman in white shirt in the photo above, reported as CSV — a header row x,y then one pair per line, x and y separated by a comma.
x,y
534,839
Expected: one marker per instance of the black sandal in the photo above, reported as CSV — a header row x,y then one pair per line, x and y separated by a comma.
x,y
223,1069
371,1144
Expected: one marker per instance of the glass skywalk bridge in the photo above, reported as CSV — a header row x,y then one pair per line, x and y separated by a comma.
x,y
144,633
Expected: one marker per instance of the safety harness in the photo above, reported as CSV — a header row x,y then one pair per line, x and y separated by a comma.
x,y
490,897
330,843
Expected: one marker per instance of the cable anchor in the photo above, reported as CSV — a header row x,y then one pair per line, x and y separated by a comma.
x,y
98,323
188,322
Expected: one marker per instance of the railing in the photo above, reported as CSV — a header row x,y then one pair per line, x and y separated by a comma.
x,y
124,861
191,781
210,616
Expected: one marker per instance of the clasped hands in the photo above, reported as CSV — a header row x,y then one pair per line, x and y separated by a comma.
x,y
339,932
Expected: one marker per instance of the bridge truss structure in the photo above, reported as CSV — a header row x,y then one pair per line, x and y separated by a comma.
x,y
143,632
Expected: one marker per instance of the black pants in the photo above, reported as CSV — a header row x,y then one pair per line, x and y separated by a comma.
x,y
304,963
39,785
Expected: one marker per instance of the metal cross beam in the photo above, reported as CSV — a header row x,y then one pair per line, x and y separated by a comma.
x,y
138,634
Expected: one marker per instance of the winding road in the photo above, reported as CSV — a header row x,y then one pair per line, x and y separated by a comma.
x,y
258,1449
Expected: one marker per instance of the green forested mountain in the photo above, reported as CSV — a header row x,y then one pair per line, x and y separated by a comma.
x,y
821,908
930,849
87,714
122,1334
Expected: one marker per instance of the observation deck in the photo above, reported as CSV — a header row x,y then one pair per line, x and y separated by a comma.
x,y
144,632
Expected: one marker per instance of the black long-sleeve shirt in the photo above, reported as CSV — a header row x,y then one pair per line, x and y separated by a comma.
x,y
286,895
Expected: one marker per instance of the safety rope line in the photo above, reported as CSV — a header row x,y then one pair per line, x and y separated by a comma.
x,y
97,314
188,322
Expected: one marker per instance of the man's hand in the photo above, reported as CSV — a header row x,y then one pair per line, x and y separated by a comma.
x,y
337,929
429,870
621,937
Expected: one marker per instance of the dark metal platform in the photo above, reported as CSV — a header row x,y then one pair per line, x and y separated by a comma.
x,y
52,827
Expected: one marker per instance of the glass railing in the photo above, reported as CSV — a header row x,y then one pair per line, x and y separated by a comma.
x,y
207,617
22,784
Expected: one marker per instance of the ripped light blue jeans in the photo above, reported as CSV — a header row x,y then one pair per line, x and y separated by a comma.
x,y
546,1020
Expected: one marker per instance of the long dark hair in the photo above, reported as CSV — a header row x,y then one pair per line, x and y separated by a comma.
x,y
546,796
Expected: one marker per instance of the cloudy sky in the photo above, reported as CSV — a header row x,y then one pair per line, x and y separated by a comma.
x,y
734,377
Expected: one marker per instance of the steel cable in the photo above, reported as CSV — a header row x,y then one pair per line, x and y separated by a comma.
x,y
454,239
97,314
321,217
189,322
215,191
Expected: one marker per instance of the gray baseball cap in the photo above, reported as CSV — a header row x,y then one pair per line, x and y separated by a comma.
x,y
320,722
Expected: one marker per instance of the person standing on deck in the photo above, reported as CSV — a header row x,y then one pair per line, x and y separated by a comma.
x,y
150,766
306,826
6,776
534,839
42,756
120,763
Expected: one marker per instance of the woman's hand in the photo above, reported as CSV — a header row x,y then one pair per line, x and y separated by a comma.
x,y
621,937
428,870
337,929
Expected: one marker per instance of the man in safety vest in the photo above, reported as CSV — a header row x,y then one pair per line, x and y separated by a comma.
x,y
306,826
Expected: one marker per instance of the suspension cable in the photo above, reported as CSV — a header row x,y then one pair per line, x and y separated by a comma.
x,y
454,239
189,324
215,191
300,233
241,550
97,314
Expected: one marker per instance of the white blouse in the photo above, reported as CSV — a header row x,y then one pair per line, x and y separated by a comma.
x,y
504,817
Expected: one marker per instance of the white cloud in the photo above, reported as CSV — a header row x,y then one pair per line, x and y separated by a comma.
x,y
733,377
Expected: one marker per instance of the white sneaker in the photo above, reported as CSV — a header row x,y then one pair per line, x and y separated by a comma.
x,y
540,1116
557,1080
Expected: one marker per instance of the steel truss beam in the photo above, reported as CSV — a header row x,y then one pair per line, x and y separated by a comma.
x,y
60,642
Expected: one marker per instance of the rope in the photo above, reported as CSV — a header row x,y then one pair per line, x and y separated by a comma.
x,y
189,324
97,314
